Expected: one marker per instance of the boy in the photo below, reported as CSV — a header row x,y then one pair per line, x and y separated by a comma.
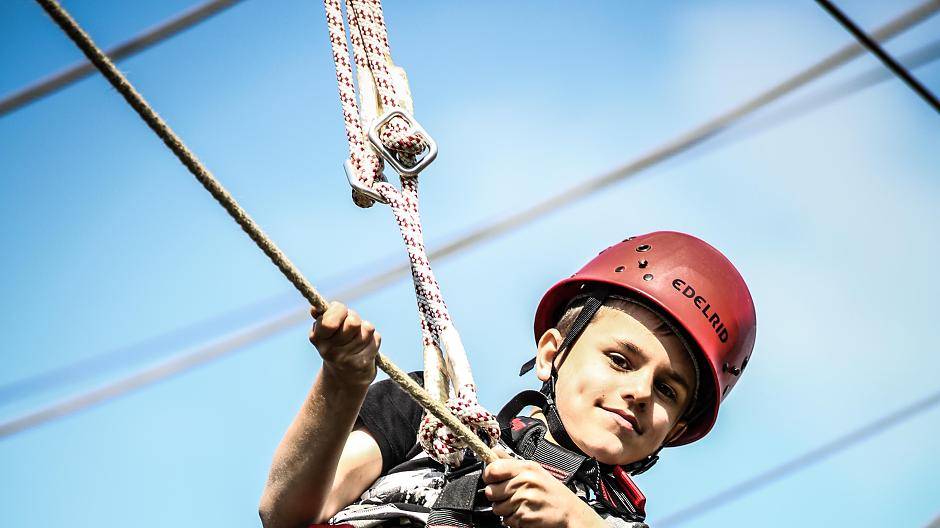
x,y
635,352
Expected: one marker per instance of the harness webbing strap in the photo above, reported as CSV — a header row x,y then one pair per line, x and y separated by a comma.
x,y
383,88
120,83
461,505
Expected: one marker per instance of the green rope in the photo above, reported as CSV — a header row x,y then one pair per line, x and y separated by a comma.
x,y
254,231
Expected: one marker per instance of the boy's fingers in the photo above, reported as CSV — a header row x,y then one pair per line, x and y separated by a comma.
x,y
505,509
315,313
362,342
332,320
351,331
371,351
501,453
499,471
365,335
319,334
315,334
498,491
353,325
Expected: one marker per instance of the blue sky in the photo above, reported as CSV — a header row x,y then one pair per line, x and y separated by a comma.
x,y
831,217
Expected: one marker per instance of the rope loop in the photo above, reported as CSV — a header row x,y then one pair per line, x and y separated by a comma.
x,y
380,129
442,444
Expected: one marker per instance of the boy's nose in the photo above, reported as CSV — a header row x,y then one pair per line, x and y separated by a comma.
x,y
638,388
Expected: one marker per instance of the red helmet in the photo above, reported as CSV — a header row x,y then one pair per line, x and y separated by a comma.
x,y
688,280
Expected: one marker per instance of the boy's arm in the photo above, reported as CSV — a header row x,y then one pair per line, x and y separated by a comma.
x,y
319,466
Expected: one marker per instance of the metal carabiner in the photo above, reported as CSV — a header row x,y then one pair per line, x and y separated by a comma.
x,y
354,183
389,156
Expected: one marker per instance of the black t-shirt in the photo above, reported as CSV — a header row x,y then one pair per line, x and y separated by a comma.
x,y
392,417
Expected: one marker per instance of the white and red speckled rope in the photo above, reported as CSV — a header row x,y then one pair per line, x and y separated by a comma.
x,y
383,87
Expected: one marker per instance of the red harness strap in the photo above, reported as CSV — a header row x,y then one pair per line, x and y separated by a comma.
x,y
630,488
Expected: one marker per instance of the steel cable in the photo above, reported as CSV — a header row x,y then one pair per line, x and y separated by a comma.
x,y
882,55
96,365
800,462
132,46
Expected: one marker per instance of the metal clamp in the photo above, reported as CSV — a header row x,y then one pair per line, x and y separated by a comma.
x,y
389,156
354,183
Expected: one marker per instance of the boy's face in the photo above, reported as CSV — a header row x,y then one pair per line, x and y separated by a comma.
x,y
621,389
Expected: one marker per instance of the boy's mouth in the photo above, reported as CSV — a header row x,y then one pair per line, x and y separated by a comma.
x,y
626,419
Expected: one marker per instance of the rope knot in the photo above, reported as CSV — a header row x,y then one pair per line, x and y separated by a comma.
x,y
442,444
404,140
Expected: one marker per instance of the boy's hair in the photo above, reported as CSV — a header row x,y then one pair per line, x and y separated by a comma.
x,y
620,302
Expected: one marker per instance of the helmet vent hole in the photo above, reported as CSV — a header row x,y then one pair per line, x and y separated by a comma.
x,y
642,264
648,277
725,392
643,248
619,269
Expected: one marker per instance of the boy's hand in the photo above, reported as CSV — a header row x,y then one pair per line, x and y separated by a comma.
x,y
523,493
347,344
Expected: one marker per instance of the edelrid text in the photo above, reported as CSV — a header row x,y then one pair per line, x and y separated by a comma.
x,y
702,304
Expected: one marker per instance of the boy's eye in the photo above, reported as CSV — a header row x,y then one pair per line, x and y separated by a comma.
x,y
668,391
619,360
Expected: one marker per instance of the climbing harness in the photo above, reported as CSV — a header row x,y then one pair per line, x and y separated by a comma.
x,y
418,493
252,229
384,115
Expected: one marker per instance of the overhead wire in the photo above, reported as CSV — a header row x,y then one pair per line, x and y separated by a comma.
x,y
160,346
152,348
800,462
882,55
803,105
130,47
666,151
155,347
185,362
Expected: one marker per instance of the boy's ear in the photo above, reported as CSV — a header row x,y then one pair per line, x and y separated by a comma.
x,y
547,352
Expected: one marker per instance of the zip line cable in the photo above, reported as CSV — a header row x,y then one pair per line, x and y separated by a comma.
x,y
198,356
154,347
150,348
800,462
820,98
187,337
182,363
317,303
879,52
677,146
133,46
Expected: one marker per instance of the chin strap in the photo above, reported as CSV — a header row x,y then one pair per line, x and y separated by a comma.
x,y
545,397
